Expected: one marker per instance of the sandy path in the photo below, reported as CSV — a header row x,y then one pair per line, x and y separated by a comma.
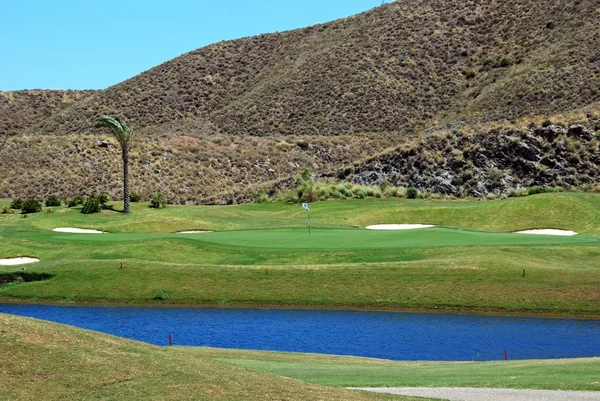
x,y
488,394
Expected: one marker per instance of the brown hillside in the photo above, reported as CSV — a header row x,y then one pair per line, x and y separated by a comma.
x,y
230,115
22,109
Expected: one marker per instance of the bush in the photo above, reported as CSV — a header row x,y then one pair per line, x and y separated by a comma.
x,y
31,206
260,196
135,197
304,145
514,193
158,201
16,204
494,176
91,205
535,190
75,201
412,192
103,198
52,200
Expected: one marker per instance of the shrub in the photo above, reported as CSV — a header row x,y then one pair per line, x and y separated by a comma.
x,y
494,176
158,201
16,204
514,193
535,190
412,192
103,198
75,201
135,197
362,192
91,205
7,210
31,206
260,196
304,145
52,200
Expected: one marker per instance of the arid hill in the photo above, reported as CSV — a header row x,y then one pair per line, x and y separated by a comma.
x,y
22,109
233,114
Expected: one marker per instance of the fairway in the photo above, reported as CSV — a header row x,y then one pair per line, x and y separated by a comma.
x,y
262,255
323,239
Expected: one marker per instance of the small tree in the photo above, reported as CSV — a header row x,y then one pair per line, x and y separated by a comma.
x,y
52,200
91,205
412,192
158,201
31,206
124,136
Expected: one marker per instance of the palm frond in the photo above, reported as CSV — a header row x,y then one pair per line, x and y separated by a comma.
x,y
118,127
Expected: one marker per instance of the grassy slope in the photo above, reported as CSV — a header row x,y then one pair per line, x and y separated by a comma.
x,y
43,360
575,211
429,268
559,374
53,361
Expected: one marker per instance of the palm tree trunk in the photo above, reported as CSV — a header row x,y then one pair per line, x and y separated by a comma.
x,y
125,154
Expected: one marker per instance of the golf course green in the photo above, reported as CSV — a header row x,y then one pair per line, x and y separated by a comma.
x,y
262,254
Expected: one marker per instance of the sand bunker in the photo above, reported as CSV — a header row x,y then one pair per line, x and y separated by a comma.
x,y
398,226
17,261
193,232
548,231
76,230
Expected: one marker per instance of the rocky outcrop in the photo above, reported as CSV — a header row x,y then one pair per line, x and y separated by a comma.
x,y
491,162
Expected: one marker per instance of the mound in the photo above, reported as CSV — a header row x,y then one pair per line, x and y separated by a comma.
x,y
43,360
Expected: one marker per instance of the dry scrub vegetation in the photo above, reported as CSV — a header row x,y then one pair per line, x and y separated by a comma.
x,y
228,116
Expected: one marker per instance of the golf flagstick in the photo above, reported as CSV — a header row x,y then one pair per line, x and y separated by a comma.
x,y
305,207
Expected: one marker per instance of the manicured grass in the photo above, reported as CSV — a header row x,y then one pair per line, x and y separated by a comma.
x,y
49,361
437,268
573,211
559,374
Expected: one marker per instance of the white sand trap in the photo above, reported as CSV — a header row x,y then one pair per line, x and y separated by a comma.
x,y
193,232
398,226
548,231
17,261
76,230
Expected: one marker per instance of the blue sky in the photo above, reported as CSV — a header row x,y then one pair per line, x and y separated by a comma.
x,y
78,44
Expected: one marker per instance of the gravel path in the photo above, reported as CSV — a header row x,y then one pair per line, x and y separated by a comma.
x,y
488,394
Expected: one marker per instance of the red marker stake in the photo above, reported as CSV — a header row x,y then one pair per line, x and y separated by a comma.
x,y
505,355
171,340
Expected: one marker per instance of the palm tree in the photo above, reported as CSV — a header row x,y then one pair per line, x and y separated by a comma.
x,y
124,135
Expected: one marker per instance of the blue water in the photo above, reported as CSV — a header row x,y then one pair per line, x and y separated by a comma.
x,y
390,335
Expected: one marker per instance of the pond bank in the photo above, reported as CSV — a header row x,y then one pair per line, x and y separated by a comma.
x,y
387,335
216,305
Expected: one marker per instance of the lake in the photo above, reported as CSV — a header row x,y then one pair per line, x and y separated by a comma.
x,y
390,335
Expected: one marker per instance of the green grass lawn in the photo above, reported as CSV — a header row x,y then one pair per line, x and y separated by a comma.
x,y
48,361
263,255
341,371
51,361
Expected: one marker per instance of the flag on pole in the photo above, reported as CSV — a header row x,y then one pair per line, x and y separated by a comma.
x,y
305,207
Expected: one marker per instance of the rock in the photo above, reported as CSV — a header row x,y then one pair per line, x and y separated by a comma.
x,y
104,144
